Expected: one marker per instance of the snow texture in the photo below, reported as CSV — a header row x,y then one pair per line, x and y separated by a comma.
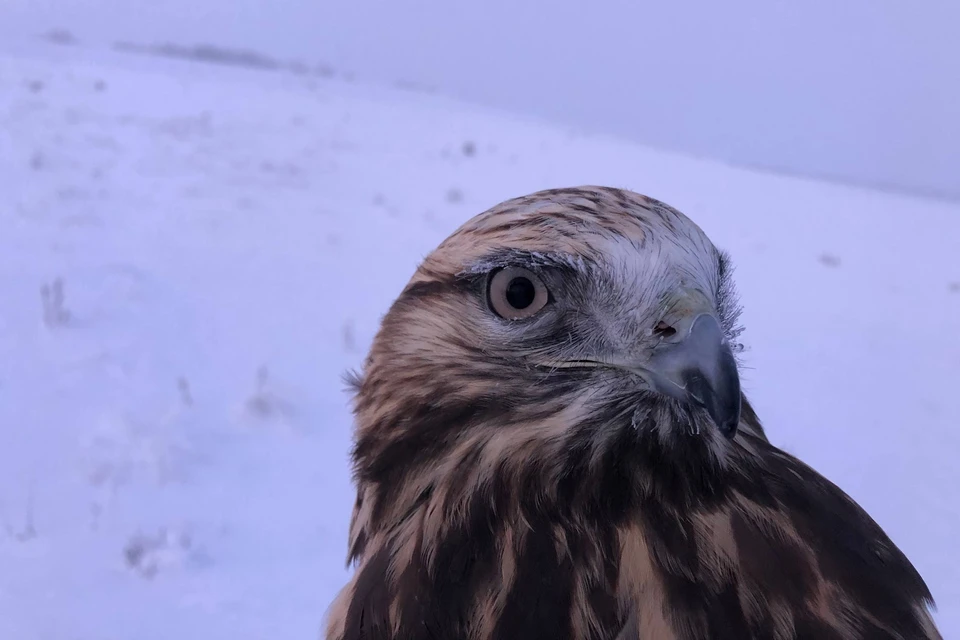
x,y
192,255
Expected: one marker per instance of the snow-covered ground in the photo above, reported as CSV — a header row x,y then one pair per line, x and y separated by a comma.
x,y
190,257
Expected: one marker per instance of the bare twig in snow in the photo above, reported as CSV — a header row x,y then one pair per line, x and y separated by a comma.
x,y
55,313
184,388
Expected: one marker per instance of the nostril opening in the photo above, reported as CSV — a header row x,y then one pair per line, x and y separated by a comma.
x,y
664,330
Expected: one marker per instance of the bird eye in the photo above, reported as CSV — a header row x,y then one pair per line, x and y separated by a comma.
x,y
515,293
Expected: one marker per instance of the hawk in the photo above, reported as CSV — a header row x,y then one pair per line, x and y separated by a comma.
x,y
551,442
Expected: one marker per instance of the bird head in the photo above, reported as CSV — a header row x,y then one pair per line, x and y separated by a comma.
x,y
562,319
640,297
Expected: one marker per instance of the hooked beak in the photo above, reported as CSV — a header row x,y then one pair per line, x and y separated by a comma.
x,y
696,365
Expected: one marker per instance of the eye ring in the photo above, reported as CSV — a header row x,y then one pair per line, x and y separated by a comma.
x,y
515,293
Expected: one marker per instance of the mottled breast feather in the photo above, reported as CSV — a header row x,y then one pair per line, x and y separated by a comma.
x,y
500,499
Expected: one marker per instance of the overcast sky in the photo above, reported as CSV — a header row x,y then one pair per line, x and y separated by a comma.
x,y
859,90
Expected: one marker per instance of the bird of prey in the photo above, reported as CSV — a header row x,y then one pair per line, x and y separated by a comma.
x,y
551,442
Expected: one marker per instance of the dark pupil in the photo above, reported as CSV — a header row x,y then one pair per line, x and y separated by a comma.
x,y
521,293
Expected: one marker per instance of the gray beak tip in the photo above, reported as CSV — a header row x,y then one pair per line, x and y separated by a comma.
x,y
728,423
718,395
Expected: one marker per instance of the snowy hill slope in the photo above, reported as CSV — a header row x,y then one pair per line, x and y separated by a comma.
x,y
190,257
